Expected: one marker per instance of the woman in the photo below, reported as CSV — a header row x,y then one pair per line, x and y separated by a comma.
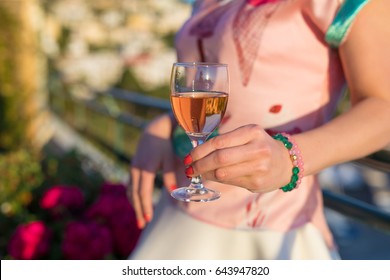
x,y
289,62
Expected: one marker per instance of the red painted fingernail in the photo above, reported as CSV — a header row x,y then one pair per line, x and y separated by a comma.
x,y
189,171
147,217
187,160
140,224
172,188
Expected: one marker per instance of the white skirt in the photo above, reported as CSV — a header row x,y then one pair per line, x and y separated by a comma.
x,y
174,235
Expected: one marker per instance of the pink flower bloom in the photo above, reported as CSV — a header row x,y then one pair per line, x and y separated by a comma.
x,y
62,199
86,241
114,210
111,203
30,241
125,234
113,189
255,3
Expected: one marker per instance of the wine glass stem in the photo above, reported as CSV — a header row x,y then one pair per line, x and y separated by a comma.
x,y
196,182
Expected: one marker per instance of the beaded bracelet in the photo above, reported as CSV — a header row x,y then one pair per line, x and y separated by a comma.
x,y
296,159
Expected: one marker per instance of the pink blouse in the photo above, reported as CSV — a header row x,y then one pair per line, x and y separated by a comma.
x,y
284,77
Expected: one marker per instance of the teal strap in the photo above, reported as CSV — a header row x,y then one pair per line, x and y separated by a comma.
x,y
182,144
343,20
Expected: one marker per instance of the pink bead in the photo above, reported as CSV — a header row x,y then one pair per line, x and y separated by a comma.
x,y
296,157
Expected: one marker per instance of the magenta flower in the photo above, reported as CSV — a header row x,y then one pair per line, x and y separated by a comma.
x,y
30,241
113,189
62,199
114,210
125,234
111,203
86,241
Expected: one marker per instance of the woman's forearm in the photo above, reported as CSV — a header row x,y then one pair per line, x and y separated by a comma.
x,y
364,129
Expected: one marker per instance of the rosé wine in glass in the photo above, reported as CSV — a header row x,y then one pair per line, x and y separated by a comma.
x,y
199,97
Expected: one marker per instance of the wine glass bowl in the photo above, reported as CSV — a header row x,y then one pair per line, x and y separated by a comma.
x,y
199,96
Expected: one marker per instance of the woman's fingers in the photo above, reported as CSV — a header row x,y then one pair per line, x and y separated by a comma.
x,y
135,175
247,157
224,158
236,166
141,194
169,177
145,193
237,137
237,147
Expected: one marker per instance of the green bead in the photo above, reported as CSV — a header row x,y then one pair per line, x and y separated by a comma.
x,y
288,145
295,170
289,187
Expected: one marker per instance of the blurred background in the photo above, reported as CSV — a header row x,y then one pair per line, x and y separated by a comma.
x,y
79,79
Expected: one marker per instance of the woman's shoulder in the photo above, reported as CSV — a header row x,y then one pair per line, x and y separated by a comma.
x,y
343,21
333,17
321,12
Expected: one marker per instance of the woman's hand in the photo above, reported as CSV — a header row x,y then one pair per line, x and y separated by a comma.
x,y
154,153
246,157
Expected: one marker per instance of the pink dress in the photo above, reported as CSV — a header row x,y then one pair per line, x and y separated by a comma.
x,y
284,77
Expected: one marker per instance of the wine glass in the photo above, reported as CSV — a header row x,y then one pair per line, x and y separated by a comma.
x,y
199,96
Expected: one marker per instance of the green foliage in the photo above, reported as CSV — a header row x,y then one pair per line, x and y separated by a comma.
x,y
70,168
26,175
64,38
169,39
12,124
21,175
129,82
161,92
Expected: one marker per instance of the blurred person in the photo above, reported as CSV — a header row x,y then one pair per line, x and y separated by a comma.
x,y
289,63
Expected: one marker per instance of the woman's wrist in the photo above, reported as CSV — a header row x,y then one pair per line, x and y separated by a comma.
x,y
296,160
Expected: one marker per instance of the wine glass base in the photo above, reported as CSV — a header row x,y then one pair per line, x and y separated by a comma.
x,y
189,194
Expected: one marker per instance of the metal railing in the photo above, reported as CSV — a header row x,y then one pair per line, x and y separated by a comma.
x,y
139,109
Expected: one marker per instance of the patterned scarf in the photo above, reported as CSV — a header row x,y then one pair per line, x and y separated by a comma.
x,y
248,26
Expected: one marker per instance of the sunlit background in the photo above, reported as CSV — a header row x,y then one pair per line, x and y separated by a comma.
x,y
64,142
